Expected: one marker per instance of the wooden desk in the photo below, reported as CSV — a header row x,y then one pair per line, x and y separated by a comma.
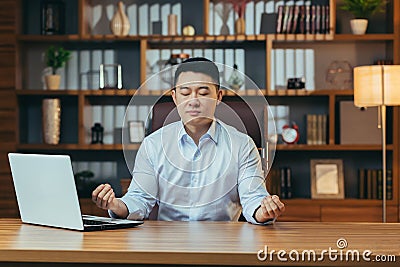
x,y
200,243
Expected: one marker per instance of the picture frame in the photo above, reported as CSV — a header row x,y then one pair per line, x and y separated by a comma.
x,y
136,131
327,179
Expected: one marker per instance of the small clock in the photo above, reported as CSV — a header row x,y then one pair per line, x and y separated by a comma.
x,y
290,133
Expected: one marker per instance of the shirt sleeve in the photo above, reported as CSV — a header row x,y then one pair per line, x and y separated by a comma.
x,y
251,183
143,190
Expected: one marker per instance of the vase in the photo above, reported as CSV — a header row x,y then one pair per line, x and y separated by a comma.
x,y
172,24
359,26
52,81
120,24
51,120
240,26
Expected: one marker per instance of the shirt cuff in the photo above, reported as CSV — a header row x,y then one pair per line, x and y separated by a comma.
x,y
269,221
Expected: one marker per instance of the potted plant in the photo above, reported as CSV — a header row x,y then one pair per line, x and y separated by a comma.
x,y
56,57
362,11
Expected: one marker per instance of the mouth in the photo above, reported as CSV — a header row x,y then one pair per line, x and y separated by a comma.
x,y
193,112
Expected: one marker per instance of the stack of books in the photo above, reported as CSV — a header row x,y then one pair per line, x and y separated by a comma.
x,y
316,129
279,182
303,19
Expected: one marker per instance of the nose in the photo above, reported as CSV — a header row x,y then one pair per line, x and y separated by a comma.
x,y
194,100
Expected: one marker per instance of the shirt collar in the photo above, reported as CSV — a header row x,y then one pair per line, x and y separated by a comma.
x,y
211,133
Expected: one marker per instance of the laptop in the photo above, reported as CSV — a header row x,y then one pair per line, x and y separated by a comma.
x,y
47,195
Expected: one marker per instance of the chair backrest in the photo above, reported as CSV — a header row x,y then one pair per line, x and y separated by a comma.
x,y
235,113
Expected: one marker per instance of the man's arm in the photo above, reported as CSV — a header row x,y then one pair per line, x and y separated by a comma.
x,y
140,199
258,206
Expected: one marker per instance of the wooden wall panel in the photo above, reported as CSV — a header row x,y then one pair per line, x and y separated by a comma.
x,y
8,17
297,213
8,103
8,99
357,214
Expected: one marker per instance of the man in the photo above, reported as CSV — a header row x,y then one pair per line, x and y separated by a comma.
x,y
198,168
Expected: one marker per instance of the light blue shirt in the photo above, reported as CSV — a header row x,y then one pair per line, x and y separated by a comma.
x,y
215,180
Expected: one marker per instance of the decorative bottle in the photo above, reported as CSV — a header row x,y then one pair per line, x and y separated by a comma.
x,y
120,24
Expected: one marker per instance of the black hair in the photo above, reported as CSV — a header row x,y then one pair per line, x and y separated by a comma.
x,y
201,65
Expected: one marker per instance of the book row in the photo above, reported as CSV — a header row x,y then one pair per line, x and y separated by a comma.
x,y
370,184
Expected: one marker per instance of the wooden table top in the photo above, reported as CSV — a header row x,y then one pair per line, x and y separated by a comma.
x,y
218,243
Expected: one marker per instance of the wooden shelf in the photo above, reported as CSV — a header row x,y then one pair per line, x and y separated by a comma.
x,y
304,147
153,92
336,202
364,37
41,92
47,38
205,38
110,147
304,92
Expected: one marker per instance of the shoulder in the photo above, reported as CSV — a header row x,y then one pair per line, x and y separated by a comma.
x,y
233,133
156,137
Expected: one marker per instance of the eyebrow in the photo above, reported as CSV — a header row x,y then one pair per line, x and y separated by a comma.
x,y
202,87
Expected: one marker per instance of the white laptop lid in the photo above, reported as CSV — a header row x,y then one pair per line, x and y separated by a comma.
x,y
45,189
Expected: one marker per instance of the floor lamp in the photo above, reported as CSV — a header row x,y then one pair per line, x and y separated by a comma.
x,y
379,86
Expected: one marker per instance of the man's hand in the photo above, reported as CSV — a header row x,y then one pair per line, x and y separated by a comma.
x,y
271,207
104,197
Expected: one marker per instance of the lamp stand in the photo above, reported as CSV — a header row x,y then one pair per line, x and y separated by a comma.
x,y
383,127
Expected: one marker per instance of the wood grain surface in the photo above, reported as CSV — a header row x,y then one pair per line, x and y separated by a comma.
x,y
200,243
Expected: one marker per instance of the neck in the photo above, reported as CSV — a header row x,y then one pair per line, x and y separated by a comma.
x,y
198,130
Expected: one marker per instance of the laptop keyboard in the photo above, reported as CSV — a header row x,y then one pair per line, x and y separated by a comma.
x,y
93,222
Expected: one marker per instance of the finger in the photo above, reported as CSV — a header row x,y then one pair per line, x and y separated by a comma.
x,y
111,198
266,208
104,202
277,201
100,196
103,192
96,192
271,206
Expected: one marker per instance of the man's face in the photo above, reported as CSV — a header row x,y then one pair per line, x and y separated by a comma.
x,y
196,97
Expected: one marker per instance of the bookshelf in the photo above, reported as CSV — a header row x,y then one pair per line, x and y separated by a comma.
x,y
136,49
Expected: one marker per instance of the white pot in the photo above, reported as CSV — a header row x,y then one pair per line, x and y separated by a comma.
x,y
359,26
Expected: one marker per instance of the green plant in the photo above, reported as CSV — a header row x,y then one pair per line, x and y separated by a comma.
x,y
56,57
363,9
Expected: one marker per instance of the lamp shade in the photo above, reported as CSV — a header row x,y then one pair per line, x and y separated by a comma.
x,y
377,85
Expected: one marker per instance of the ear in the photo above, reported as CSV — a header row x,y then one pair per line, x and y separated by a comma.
x,y
219,96
173,94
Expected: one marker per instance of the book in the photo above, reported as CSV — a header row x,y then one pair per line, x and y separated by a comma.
x,y
288,183
279,19
307,20
361,183
309,132
324,129
374,187
389,185
302,19
313,20
369,184
296,13
283,183
285,19
380,185
317,19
